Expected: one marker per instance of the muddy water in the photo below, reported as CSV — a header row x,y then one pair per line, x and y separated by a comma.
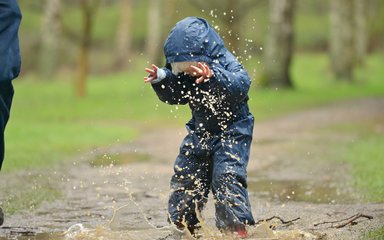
x,y
39,236
299,191
262,231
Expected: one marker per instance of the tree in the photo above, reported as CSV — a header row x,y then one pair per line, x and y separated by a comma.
x,y
169,18
279,46
342,39
50,38
361,31
232,14
123,34
88,9
153,45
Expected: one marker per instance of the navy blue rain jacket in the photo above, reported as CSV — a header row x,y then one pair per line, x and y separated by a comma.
x,y
10,59
216,103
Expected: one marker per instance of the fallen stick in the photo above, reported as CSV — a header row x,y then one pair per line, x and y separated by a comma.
x,y
276,217
350,220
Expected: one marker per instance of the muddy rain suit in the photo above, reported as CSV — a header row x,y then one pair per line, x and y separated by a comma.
x,y
214,155
10,17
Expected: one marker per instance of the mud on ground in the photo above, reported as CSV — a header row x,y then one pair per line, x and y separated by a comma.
x,y
288,178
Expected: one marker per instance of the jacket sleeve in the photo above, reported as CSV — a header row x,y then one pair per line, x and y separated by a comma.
x,y
231,79
10,59
172,89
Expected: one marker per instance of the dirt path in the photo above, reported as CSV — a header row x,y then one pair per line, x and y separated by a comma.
x,y
288,177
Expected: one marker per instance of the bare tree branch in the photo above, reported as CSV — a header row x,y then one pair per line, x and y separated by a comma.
x,y
350,220
279,218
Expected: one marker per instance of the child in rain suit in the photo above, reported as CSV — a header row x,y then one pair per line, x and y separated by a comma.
x,y
201,72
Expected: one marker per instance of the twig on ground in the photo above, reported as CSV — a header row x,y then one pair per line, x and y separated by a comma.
x,y
276,217
350,220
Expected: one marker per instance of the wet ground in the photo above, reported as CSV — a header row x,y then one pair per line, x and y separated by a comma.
x,y
121,192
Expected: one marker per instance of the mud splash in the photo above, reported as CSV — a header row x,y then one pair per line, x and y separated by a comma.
x,y
119,159
262,231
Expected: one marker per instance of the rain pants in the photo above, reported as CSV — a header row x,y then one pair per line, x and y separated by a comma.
x,y
214,155
10,62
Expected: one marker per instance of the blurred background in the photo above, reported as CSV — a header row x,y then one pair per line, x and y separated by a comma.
x,y
81,85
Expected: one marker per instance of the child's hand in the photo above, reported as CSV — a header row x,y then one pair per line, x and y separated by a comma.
x,y
202,72
152,73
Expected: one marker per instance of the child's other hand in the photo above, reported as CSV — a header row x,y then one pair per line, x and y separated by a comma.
x,y
202,72
152,73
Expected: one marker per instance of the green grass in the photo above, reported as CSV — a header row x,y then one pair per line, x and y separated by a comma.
x,y
314,86
363,153
48,123
366,158
367,166
377,234
28,192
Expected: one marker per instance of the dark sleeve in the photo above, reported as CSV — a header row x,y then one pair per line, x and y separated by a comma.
x,y
10,59
172,89
231,80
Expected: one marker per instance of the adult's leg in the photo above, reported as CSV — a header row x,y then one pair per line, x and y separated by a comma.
x,y
6,96
1,217
229,176
189,185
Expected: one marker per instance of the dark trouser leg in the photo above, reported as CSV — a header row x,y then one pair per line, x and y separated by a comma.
x,y
229,185
1,217
6,96
189,185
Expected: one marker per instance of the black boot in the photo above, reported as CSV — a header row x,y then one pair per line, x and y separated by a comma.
x,y
1,217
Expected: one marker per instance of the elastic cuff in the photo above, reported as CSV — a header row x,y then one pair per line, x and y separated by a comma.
x,y
161,74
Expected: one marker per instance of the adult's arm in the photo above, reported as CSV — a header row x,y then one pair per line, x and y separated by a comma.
x,y
10,60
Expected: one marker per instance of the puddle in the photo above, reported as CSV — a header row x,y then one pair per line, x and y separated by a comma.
x,y
119,159
299,191
38,236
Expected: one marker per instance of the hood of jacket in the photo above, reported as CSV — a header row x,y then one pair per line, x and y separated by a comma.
x,y
194,40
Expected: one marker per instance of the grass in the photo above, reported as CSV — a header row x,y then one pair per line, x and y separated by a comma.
x,y
367,165
28,192
48,123
366,158
377,234
314,86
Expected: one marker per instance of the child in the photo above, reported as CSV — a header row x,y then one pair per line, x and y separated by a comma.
x,y
214,155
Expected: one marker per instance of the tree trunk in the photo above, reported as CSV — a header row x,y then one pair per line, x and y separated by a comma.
x,y
88,8
154,46
232,20
341,39
50,38
279,46
232,14
170,18
361,33
123,35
